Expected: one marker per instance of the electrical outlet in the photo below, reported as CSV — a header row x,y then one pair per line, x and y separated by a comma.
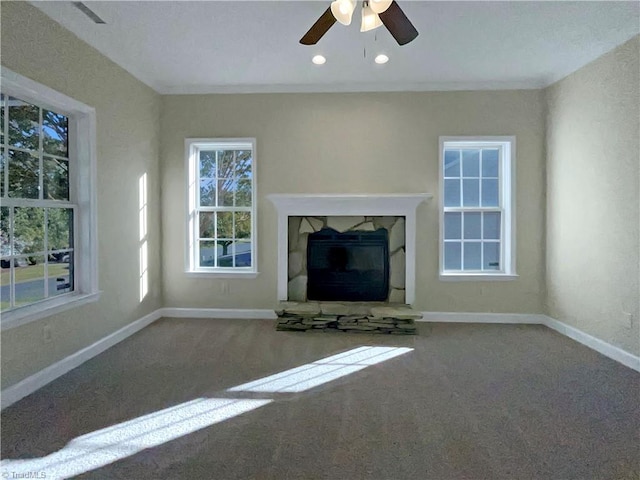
x,y
46,333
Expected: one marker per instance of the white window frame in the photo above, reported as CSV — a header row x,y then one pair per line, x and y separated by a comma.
x,y
193,146
507,145
82,188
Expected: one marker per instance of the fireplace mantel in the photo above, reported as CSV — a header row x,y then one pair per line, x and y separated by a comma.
x,y
288,205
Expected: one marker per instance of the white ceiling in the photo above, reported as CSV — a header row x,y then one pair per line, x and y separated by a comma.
x,y
243,46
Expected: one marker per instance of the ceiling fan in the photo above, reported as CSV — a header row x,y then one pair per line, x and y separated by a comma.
x,y
374,14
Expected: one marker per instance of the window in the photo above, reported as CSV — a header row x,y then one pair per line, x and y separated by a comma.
x,y
476,214
221,227
47,212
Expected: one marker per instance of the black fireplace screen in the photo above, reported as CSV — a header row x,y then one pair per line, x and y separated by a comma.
x,y
350,266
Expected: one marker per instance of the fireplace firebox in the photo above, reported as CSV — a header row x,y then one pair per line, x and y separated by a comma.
x,y
350,266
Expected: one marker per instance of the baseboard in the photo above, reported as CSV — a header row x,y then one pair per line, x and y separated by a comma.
x,y
468,317
600,346
229,313
38,380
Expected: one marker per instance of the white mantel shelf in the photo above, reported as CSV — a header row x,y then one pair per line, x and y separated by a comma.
x,y
353,204
329,204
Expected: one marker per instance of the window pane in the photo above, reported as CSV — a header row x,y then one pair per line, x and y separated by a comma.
x,y
492,225
472,225
225,224
24,174
471,193
55,128
243,224
207,192
5,233
207,164
29,275
1,118
452,193
452,255
225,192
225,253
452,163
28,230
491,256
56,179
490,193
243,164
5,281
472,255
207,253
243,193
452,225
242,257
2,167
60,228
225,164
60,274
490,163
24,123
207,225
470,163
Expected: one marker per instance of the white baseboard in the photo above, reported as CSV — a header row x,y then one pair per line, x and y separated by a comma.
x,y
467,317
38,380
600,346
231,313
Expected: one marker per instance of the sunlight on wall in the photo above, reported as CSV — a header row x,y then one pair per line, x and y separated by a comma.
x,y
322,371
144,255
100,448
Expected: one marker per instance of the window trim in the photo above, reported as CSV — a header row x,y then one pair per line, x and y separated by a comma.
x,y
507,184
192,147
82,128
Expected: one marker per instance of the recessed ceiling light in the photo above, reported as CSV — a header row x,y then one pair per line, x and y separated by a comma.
x,y
319,60
382,58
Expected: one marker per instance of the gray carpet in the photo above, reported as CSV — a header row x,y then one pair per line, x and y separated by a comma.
x,y
469,402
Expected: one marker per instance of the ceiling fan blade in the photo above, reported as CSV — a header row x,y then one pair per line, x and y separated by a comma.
x,y
398,24
319,28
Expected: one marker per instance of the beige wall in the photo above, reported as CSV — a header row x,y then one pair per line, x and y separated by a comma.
x,y
593,212
127,146
356,143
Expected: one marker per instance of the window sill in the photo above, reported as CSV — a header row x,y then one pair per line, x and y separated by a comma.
x,y
31,313
223,274
477,277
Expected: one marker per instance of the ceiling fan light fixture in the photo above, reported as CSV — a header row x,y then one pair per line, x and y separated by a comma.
x,y
342,10
379,6
370,19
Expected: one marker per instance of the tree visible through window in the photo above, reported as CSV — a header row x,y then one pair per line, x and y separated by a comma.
x,y
222,212
37,214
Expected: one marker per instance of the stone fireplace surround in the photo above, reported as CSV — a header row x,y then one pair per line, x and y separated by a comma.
x,y
300,228
348,205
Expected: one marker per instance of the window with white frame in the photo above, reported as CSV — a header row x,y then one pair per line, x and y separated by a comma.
x,y
221,236
476,227
47,214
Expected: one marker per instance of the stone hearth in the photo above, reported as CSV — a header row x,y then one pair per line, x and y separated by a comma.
x,y
348,318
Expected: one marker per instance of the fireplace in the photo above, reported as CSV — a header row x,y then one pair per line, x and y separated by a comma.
x,y
349,266
313,212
